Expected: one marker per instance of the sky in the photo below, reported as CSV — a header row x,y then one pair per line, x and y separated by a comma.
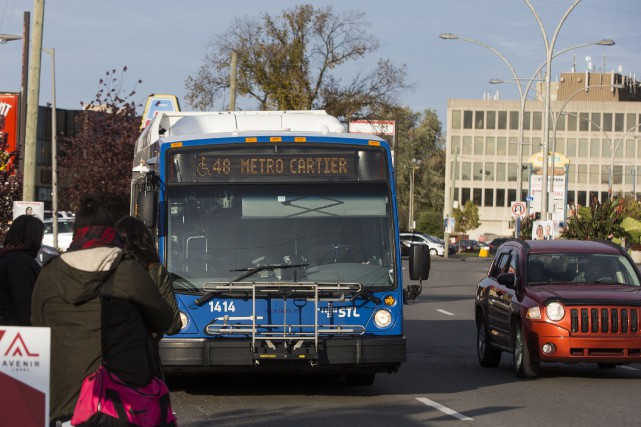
x,y
162,42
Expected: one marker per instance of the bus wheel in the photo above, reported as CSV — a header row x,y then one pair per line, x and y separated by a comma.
x,y
360,379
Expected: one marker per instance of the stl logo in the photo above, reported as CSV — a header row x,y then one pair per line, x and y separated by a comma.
x,y
18,347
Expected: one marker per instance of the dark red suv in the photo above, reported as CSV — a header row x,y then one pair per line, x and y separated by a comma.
x,y
559,301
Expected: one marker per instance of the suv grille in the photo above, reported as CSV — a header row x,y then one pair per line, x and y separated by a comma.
x,y
597,320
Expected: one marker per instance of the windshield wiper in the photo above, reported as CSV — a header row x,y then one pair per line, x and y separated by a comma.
x,y
367,294
250,271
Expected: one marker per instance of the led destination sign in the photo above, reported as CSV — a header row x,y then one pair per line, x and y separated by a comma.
x,y
198,167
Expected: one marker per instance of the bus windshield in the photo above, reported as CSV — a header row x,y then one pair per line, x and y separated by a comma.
x,y
330,232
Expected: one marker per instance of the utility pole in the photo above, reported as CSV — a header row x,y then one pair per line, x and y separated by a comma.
x,y
22,120
450,207
232,81
33,99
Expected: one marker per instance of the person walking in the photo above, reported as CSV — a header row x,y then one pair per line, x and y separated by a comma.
x,y
19,269
68,298
137,239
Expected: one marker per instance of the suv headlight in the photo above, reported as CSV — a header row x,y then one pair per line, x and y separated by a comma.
x,y
555,311
382,318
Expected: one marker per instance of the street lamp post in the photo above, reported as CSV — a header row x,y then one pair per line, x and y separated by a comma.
x,y
54,148
415,165
523,93
549,52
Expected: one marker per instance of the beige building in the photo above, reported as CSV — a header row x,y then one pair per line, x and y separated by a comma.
x,y
595,123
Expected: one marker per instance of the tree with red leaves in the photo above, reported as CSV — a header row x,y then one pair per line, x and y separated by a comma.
x,y
97,159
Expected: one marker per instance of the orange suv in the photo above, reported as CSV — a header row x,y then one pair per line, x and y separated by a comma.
x,y
559,301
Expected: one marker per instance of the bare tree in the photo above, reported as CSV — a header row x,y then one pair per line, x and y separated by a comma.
x,y
289,61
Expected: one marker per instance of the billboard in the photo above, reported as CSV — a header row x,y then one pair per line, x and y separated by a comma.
x,y
557,194
9,106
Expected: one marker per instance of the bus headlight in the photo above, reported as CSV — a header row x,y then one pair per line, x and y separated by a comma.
x,y
555,311
382,318
184,320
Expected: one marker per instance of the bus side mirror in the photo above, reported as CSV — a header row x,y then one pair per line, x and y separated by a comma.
x,y
419,262
146,207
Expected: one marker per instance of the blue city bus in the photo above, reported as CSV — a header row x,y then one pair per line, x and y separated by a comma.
x,y
280,232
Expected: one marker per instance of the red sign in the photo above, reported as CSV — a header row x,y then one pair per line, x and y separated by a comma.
x,y
9,103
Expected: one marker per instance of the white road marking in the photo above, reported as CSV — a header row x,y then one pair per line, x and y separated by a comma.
x,y
443,409
447,313
628,367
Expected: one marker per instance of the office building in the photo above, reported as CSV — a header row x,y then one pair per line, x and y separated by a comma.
x,y
595,123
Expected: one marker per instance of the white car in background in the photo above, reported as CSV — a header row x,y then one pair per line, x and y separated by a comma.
x,y
65,233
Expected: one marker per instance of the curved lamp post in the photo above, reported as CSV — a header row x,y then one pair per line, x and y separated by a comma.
x,y
523,93
416,163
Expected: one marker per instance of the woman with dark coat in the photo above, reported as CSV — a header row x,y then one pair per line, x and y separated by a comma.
x,y
96,274
19,270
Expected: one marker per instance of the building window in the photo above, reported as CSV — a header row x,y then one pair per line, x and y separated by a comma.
x,y
500,197
617,175
511,195
502,119
583,147
607,122
526,120
514,120
490,146
631,121
489,197
584,122
477,171
571,174
466,171
489,171
604,196
491,120
477,196
571,148
455,144
479,120
511,172
582,174
501,146
618,122
500,171
559,145
595,146
594,175
631,175
630,145
465,196
536,145
467,145
582,198
478,145
605,174
468,119
595,122
513,146
456,119
537,120
572,122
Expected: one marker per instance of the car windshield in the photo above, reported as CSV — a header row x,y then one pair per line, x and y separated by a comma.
x,y
583,268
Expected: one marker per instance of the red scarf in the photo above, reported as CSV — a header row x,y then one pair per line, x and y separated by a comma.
x,y
95,237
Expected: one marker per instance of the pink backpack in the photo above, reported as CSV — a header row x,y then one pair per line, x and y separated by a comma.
x,y
106,401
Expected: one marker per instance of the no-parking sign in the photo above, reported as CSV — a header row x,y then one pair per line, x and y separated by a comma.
x,y
518,209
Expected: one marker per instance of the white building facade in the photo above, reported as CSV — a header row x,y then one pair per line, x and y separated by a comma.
x,y
595,123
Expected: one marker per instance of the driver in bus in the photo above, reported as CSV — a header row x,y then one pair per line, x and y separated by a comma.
x,y
337,248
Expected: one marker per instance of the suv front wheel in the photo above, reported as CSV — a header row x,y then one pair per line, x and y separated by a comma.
x,y
489,357
524,366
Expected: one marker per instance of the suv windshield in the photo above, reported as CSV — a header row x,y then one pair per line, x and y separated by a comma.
x,y
582,268
331,232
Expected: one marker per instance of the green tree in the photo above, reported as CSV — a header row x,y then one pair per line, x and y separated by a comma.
x,y
598,221
430,222
288,61
466,218
420,144
98,158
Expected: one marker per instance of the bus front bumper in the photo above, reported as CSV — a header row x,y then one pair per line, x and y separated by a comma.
x,y
362,353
